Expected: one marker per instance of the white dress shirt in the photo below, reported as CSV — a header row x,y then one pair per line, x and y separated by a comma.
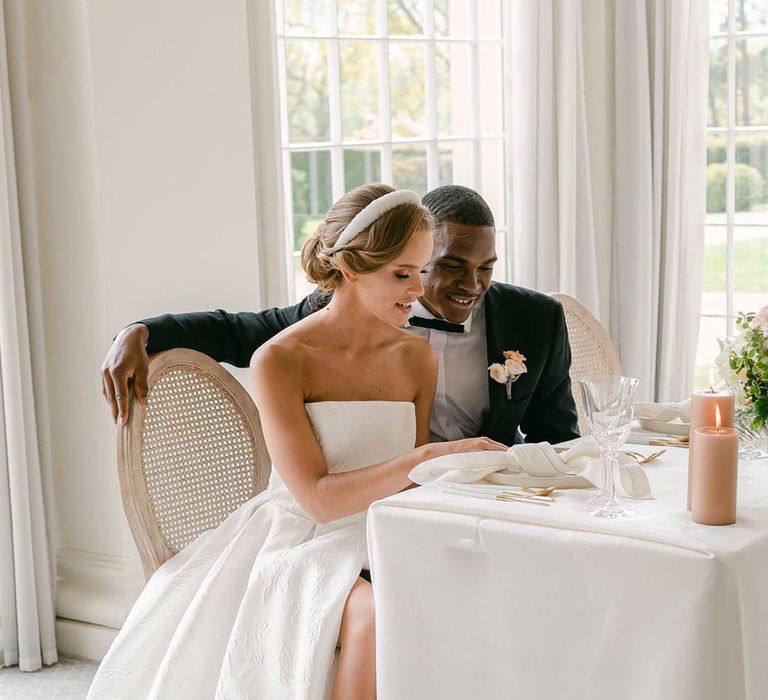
x,y
461,399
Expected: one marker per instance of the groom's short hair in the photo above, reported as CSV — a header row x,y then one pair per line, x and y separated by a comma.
x,y
459,205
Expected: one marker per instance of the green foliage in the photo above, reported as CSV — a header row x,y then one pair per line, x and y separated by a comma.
x,y
750,187
303,229
750,264
751,149
750,362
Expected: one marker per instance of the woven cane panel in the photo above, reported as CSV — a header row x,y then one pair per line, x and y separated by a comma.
x,y
588,356
197,453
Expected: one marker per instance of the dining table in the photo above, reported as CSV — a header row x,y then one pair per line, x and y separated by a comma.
x,y
479,599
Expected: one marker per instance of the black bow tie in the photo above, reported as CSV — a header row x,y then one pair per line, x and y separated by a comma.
x,y
436,323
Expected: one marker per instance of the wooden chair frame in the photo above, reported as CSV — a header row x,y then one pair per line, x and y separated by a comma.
x,y
598,356
138,499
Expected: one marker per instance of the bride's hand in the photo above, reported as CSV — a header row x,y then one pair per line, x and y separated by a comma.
x,y
476,444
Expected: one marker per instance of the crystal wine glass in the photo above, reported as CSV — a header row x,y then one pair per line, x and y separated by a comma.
x,y
609,403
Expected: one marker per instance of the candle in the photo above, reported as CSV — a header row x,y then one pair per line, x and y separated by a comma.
x,y
703,405
715,467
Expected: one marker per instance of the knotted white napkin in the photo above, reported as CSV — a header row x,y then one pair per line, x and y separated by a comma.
x,y
665,412
535,459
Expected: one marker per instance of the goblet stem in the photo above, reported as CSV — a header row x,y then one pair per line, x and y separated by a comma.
x,y
611,461
598,498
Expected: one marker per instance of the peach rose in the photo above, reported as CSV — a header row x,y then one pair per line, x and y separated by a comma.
x,y
514,355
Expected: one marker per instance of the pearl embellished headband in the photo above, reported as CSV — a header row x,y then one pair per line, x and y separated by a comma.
x,y
364,218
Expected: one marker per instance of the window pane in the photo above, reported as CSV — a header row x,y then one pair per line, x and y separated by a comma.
x,y
357,17
750,15
452,18
453,89
409,168
359,90
306,66
361,166
715,238
455,161
750,267
303,287
752,82
713,301
499,269
491,106
406,88
311,192
717,107
716,178
489,19
718,16
404,17
710,329
492,177
751,178
306,17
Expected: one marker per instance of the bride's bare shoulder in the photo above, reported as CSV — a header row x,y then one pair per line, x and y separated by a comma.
x,y
285,352
416,353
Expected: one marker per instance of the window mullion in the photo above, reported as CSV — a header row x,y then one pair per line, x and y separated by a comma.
x,y
430,93
474,72
334,107
385,111
730,172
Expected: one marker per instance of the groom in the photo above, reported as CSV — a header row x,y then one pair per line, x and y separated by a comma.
x,y
469,321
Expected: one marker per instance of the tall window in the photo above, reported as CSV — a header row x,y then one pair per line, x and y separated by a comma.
x,y
407,92
736,244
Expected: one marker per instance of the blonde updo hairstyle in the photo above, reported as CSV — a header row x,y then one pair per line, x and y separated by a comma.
x,y
374,247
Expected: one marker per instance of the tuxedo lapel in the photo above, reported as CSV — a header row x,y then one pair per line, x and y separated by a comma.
x,y
501,334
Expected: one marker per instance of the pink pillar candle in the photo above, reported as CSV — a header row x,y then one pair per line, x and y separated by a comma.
x,y
703,404
715,468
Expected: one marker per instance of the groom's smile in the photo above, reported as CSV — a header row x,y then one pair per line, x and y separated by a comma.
x,y
460,271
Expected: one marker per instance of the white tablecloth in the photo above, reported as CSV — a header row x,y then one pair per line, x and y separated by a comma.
x,y
482,599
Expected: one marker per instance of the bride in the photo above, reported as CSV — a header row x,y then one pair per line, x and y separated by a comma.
x,y
258,607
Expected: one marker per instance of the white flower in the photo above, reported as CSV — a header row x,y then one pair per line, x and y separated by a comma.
x,y
761,318
498,373
515,368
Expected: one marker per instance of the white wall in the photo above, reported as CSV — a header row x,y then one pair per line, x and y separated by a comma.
x,y
144,181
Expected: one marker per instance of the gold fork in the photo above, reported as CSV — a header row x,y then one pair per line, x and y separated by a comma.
x,y
539,492
642,459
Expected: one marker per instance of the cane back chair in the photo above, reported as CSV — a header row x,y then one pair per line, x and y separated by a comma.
x,y
592,350
191,457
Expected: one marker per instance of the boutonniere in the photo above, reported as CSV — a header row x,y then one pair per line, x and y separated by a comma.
x,y
509,372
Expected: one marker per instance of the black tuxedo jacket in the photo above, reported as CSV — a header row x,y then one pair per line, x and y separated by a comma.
x,y
516,318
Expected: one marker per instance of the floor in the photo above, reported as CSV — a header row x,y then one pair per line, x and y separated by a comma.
x,y
66,680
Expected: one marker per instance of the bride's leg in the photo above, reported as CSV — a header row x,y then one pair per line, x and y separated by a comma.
x,y
356,671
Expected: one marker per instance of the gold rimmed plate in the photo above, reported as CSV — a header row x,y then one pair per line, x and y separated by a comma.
x,y
666,427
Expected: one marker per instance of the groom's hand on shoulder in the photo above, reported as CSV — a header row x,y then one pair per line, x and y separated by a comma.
x,y
125,366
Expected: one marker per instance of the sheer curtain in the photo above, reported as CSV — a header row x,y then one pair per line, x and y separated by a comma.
x,y
552,210
608,115
27,614
659,203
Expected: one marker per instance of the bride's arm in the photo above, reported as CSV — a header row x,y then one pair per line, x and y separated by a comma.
x,y
423,366
277,381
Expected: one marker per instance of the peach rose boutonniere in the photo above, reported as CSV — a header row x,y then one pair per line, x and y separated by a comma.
x,y
509,372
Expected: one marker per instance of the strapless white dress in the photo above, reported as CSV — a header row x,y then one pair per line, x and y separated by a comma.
x,y
253,608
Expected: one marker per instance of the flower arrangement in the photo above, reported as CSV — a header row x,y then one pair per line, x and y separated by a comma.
x,y
509,372
744,366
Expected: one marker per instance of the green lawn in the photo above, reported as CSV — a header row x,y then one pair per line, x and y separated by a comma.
x,y
750,266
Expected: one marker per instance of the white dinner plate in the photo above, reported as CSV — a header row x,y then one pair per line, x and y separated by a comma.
x,y
564,481
666,427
